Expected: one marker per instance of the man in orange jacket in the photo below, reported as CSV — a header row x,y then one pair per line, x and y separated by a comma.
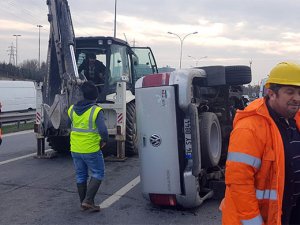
x,y
263,163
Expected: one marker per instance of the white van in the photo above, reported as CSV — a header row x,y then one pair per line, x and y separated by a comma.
x,y
17,95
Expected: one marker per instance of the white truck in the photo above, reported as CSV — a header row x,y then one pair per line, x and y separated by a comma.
x,y
184,119
16,96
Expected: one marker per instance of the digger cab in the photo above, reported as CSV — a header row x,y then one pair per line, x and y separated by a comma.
x,y
115,61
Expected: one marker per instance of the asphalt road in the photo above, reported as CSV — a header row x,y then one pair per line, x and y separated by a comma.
x,y
43,191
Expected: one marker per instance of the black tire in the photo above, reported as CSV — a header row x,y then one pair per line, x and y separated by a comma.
x,y
238,75
215,75
210,139
59,144
131,135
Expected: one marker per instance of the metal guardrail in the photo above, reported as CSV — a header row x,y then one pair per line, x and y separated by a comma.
x,y
11,117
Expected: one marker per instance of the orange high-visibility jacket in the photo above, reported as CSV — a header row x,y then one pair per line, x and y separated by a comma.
x,y
254,169
0,131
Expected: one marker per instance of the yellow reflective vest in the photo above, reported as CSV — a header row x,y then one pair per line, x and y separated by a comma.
x,y
84,133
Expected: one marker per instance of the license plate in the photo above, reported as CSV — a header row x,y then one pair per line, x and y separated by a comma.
x,y
188,138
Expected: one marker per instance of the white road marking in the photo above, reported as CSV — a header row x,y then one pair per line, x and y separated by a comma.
x,y
107,202
21,157
117,195
18,133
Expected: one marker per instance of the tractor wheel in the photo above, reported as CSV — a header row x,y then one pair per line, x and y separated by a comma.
x,y
131,135
59,144
210,139
238,75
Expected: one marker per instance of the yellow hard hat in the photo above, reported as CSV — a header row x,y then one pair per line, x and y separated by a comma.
x,y
286,73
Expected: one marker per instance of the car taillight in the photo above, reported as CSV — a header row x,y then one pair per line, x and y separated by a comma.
x,y
156,80
163,199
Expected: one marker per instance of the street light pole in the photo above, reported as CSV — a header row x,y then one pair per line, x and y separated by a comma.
x,y
197,59
115,22
17,35
39,26
181,43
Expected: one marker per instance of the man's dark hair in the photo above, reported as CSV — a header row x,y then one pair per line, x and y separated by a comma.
x,y
275,87
91,56
89,90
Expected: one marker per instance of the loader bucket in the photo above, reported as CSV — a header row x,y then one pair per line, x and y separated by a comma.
x,y
58,111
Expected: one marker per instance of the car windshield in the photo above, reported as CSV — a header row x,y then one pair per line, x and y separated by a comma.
x,y
120,68
144,62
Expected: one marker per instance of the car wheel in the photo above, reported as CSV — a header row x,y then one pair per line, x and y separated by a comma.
x,y
210,139
238,75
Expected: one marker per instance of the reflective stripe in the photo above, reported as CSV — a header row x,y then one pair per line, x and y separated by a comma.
x,y
244,158
255,221
90,122
91,118
266,194
71,113
84,130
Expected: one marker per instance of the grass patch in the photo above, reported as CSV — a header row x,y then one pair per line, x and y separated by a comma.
x,y
11,128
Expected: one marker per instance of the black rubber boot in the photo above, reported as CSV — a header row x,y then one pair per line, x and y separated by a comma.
x,y
81,187
88,202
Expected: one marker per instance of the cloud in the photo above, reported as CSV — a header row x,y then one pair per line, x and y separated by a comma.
x,y
10,25
230,31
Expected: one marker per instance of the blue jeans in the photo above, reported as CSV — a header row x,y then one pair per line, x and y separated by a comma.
x,y
89,161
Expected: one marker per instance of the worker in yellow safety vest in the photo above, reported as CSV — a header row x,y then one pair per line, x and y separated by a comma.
x,y
263,164
88,136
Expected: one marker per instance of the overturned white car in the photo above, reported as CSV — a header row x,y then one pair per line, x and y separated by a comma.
x,y
184,119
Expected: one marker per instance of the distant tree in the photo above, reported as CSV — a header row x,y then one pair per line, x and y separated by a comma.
x,y
30,64
32,69
43,71
28,70
251,90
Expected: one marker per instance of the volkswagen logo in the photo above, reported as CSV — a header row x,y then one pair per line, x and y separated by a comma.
x,y
155,140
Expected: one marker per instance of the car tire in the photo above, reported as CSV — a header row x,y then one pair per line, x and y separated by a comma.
x,y
131,135
215,75
210,139
238,75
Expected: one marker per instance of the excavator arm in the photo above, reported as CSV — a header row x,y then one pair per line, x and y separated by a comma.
x,y
63,36
62,79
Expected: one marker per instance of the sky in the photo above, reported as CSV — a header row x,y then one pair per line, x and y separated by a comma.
x,y
257,33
